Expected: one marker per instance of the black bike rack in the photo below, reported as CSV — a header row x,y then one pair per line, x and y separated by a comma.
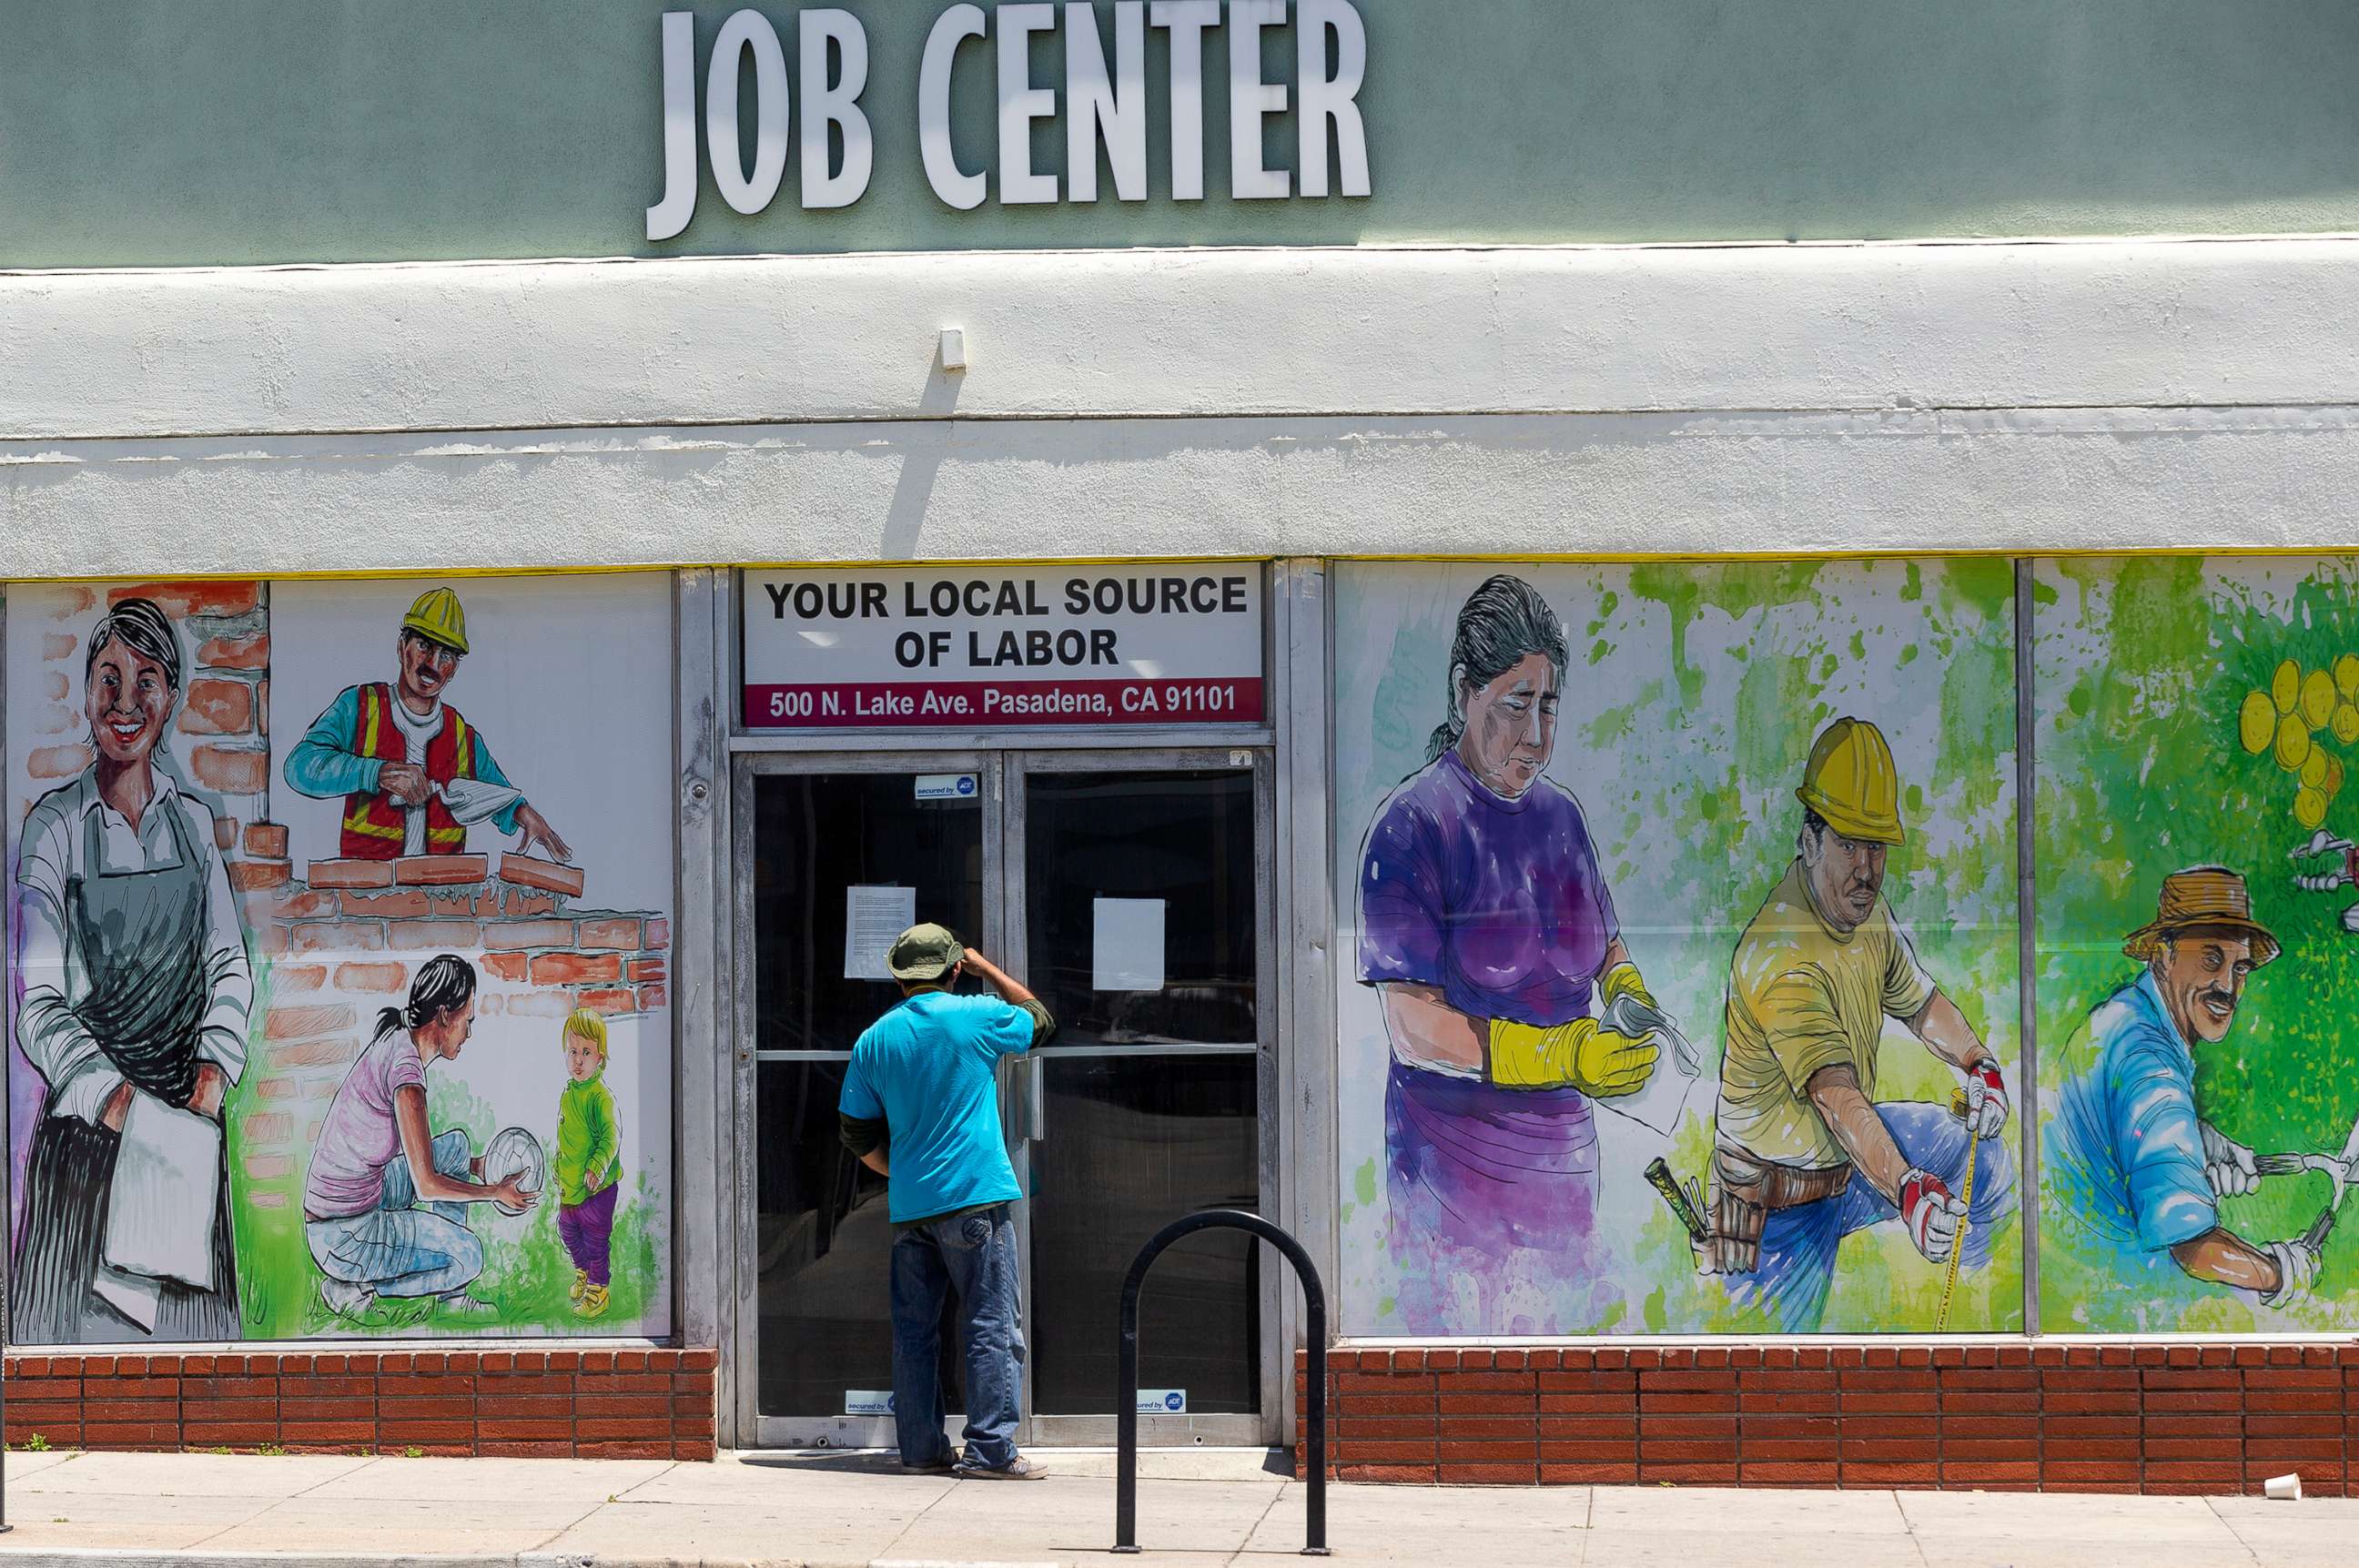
x,y
1314,1300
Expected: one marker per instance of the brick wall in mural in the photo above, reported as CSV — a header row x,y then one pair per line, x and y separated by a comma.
x,y
339,959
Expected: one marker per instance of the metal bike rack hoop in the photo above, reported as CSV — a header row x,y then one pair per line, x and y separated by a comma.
x,y
1314,1301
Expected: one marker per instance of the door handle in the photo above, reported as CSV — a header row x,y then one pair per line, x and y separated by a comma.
x,y
1035,1100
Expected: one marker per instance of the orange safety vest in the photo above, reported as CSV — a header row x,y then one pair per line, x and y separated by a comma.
x,y
374,828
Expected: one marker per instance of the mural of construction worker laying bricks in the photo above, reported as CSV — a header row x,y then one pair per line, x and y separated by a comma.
x,y
413,773
1804,1152
2139,1170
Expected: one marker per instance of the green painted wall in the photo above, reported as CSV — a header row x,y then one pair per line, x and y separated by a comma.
x,y
147,132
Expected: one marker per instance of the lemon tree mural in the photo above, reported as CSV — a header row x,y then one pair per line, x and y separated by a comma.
x,y
2195,968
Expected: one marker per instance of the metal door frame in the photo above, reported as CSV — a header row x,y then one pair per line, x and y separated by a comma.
x,y
1181,1430
816,1429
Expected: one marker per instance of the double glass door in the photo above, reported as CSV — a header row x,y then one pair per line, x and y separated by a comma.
x,y
1128,890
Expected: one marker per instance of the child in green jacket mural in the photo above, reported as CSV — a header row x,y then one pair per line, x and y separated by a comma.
x,y
588,1148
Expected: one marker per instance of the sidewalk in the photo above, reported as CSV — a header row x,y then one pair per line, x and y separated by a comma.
x,y
1201,1507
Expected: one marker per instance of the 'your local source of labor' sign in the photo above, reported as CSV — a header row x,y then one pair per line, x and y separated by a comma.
x,y
1171,644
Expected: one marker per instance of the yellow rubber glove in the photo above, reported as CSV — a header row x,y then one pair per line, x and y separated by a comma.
x,y
1578,1055
1620,979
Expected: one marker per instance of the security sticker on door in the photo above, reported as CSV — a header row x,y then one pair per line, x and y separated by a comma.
x,y
868,1401
946,787
1163,1401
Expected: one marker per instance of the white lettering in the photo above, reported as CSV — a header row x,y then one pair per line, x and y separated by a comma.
x,y
1323,99
1189,21
1250,101
826,106
956,187
671,215
747,29
1097,110
1020,104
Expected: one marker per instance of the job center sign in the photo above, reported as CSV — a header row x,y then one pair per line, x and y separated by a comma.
x,y
1172,644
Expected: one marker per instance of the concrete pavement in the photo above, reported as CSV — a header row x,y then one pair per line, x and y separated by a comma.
x,y
1197,1509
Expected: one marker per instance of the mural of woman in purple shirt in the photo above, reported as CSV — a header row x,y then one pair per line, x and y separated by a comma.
x,y
1486,928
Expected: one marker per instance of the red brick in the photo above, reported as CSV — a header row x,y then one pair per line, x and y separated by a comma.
x,y
506,1448
340,873
1378,1404
212,706
420,936
532,871
377,979
1387,1475
619,932
232,772
228,1434
1488,1474
516,1429
1691,1474
1788,1473
1384,1428
308,1023
439,870
1488,1404
517,935
614,999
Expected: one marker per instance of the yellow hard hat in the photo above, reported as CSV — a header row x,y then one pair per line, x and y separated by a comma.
x,y
437,616
1851,782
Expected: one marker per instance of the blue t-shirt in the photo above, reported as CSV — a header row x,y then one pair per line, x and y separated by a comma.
x,y
926,1069
2126,1141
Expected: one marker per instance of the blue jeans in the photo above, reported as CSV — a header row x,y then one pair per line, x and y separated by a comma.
x,y
403,1247
975,1255
1798,1245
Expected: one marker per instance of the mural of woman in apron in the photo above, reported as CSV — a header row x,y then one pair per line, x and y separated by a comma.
x,y
135,990
1486,927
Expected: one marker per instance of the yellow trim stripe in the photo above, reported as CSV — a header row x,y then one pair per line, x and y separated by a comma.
x,y
354,824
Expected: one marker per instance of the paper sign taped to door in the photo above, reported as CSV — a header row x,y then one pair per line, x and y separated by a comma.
x,y
1126,945
872,917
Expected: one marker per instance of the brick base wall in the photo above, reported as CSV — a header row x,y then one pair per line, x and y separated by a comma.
x,y
574,1404
2214,1418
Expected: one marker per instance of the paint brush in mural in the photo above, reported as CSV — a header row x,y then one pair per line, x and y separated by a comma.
x,y
1683,1206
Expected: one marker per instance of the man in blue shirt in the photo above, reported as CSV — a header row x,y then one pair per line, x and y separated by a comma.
x,y
920,1107
2139,1171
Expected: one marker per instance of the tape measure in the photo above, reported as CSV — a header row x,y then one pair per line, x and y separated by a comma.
x,y
1966,1197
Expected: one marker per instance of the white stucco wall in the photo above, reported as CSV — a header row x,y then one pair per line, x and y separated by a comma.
x,y
1770,399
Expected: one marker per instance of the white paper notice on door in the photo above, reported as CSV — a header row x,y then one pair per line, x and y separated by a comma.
x,y
1126,945
872,917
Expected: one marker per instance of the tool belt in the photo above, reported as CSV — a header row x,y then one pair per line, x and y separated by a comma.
x,y
1743,1191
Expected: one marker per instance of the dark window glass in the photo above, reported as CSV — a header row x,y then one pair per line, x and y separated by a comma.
x,y
817,836
1186,838
1132,1143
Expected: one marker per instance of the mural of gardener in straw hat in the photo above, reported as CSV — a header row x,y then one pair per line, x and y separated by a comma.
x,y
1804,1153
2137,1168
413,772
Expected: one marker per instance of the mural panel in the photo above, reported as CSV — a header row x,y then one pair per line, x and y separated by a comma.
x,y
2196,946
338,997
1678,985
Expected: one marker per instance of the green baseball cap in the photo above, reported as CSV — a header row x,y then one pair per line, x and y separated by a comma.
x,y
925,952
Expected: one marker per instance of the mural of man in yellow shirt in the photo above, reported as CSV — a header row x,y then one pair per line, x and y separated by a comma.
x,y
1803,1154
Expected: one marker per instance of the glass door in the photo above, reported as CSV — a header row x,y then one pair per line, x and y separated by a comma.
x,y
1141,907
1130,890
836,855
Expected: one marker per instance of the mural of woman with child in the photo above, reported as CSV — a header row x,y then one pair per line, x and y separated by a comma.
x,y
1487,928
136,992
384,1208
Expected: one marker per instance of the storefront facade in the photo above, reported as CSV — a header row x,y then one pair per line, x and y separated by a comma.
x,y
1338,636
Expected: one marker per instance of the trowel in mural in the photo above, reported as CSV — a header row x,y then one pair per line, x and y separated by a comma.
x,y
471,800
2346,874
1657,1104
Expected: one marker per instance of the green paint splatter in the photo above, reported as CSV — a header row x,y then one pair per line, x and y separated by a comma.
x,y
1363,1182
